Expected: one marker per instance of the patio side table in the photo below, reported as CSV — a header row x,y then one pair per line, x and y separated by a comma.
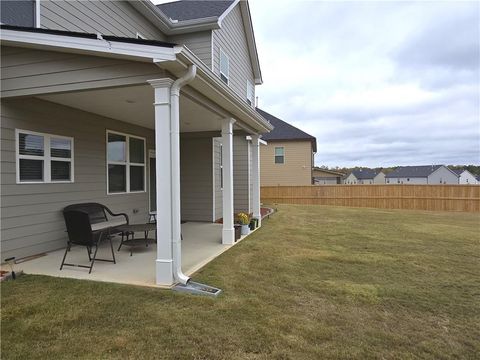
x,y
130,230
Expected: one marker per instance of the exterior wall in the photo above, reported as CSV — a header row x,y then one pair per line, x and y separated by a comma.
x,y
326,181
32,221
217,185
196,176
241,176
232,40
443,176
350,179
26,71
199,43
116,18
466,177
407,180
365,181
297,169
379,179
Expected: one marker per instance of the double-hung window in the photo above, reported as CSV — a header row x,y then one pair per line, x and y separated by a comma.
x,y
279,155
224,67
43,158
125,163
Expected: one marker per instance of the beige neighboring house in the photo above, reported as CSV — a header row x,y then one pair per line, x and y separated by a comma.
x,y
288,156
327,177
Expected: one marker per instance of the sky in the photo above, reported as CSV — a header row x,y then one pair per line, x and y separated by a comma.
x,y
377,83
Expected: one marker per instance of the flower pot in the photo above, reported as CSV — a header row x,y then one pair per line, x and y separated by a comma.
x,y
245,230
238,231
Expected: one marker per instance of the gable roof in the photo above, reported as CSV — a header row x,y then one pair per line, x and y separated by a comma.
x,y
458,171
189,10
414,171
364,173
284,131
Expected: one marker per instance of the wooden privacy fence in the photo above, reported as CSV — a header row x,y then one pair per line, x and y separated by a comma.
x,y
413,197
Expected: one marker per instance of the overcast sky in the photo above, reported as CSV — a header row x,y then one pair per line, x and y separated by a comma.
x,y
377,83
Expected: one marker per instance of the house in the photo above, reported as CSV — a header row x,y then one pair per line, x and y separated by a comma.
x,y
364,176
139,107
287,158
426,174
465,177
326,177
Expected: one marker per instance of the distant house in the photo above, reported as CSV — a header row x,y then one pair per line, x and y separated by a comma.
x,y
427,174
465,177
287,158
326,177
365,176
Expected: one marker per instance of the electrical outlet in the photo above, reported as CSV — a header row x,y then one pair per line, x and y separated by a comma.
x,y
135,211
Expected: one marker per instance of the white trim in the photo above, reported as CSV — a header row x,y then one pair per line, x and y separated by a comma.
x,y
127,162
37,14
140,36
46,158
226,12
117,48
227,76
213,180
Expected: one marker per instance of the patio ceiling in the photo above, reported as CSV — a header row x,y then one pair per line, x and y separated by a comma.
x,y
134,104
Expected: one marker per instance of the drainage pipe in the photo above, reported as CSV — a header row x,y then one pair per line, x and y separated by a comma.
x,y
175,171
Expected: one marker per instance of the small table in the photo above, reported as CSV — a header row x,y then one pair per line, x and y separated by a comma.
x,y
128,230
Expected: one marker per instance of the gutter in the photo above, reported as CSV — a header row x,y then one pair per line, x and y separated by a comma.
x,y
175,168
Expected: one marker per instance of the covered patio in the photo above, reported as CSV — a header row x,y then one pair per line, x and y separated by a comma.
x,y
201,244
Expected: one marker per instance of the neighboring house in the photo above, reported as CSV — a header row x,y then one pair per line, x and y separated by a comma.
x,y
138,107
465,177
364,176
326,177
427,174
288,156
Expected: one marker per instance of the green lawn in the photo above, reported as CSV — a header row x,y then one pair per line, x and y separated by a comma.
x,y
314,283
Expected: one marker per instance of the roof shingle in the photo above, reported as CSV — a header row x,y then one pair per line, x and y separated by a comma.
x,y
194,9
413,171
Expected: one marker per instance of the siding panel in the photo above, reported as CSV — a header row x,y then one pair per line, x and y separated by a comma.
x,y
199,43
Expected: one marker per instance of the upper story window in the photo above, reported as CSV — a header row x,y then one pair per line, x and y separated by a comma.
x,y
43,158
224,67
125,163
250,93
279,155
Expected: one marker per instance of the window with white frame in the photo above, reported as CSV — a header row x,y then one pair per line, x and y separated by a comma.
x,y
125,163
224,67
279,155
250,93
43,158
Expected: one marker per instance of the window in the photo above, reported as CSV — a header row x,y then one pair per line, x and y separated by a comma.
x,y
250,93
125,163
224,67
279,155
43,158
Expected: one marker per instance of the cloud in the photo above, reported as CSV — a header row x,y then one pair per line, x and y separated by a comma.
x,y
378,83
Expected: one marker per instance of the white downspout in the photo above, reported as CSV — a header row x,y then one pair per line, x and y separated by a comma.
x,y
175,164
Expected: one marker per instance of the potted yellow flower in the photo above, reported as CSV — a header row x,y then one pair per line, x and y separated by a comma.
x,y
244,220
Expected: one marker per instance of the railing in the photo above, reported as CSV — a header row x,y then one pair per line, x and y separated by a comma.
x,y
412,197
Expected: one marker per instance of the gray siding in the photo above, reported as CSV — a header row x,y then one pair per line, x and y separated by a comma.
x,y
196,174
199,43
443,176
232,40
217,186
241,185
117,18
31,215
27,71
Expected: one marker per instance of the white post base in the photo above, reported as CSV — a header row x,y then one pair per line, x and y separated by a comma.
x,y
228,236
164,271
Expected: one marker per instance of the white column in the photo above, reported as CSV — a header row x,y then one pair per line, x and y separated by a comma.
x,y
228,233
164,261
256,178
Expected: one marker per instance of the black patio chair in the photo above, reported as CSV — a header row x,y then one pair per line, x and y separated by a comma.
x,y
79,229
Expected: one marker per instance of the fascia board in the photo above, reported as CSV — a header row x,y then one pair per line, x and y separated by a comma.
x,y
252,46
82,45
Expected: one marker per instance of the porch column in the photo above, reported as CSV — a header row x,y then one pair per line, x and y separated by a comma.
x,y
164,261
228,233
256,178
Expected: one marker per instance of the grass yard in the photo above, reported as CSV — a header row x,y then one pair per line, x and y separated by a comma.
x,y
314,283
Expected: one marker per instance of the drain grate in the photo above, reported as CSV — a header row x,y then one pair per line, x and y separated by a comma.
x,y
198,289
